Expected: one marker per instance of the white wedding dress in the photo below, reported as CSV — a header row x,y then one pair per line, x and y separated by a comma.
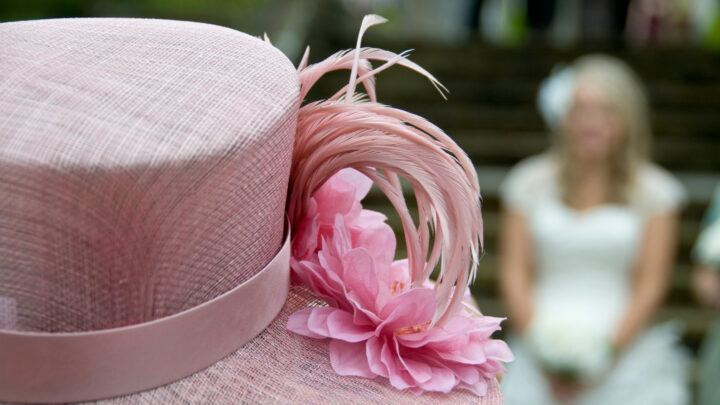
x,y
583,279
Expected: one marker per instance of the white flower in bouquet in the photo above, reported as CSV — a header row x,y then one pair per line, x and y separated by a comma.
x,y
570,346
707,249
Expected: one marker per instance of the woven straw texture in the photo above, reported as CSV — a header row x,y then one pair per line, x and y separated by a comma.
x,y
143,167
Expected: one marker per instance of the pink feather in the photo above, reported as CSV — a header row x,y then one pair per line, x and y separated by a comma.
x,y
383,143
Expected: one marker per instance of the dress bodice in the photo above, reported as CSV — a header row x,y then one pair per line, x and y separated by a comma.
x,y
583,260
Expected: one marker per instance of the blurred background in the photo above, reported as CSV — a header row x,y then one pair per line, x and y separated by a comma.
x,y
492,56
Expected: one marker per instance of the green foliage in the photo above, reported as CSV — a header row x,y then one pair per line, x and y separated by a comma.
x,y
713,38
225,12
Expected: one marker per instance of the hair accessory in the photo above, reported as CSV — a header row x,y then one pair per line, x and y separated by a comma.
x,y
555,95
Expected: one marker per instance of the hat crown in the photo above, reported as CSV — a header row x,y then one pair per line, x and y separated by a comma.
x,y
143,167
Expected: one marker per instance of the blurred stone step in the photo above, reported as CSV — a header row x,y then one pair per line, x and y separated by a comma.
x,y
496,147
463,116
473,58
699,185
397,86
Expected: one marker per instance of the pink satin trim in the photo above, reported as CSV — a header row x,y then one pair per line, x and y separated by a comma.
x,y
66,367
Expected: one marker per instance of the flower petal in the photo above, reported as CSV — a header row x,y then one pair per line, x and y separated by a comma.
x,y
468,374
368,219
373,351
341,326
360,182
298,323
485,326
479,388
491,367
304,242
379,241
334,197
418,370
327,285
399,378
412,308
317,321
360,278
498,350
442,380
400,271
350,359
471,353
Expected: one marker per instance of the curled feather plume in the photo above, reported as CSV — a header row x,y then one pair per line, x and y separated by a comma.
x,y
348,130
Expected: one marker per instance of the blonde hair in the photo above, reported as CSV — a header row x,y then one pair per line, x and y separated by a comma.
x,y
627,96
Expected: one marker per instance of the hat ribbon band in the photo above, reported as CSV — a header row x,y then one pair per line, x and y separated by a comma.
x,y
79,366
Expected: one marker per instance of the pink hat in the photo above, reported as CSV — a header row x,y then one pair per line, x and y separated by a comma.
x,y
148,235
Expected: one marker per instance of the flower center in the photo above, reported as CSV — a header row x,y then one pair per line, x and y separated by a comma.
x,y
412,329
396,287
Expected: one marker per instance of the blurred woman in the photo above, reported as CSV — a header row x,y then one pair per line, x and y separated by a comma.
x,y
706,283
587,245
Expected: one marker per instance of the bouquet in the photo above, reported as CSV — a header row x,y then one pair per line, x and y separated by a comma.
x,y
570,346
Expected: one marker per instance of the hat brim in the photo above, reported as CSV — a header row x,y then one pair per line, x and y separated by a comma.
x,y
278,366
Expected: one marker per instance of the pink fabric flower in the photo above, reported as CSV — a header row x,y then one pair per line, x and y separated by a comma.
x,y
377,324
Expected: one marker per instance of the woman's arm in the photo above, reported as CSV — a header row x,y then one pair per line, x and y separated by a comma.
x,y
652,273
516,268
706,285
